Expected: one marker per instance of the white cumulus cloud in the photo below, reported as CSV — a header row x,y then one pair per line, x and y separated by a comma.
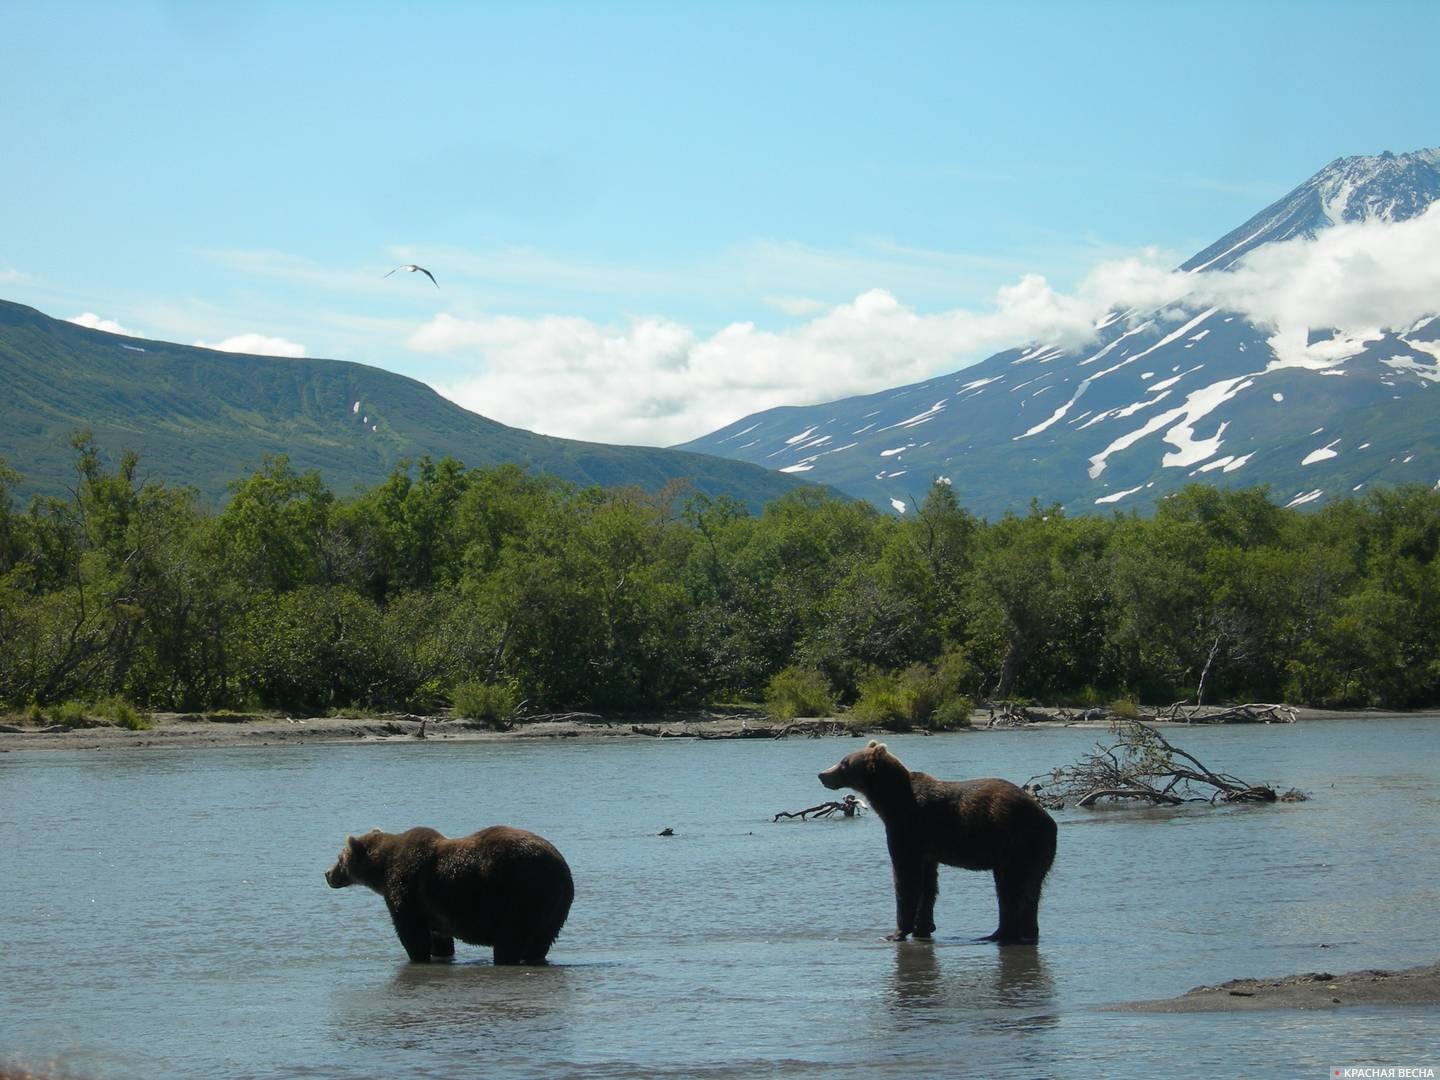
x,y
656,381
256,345
95,322
1382,274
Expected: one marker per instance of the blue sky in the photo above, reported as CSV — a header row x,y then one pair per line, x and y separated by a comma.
x,y
613,196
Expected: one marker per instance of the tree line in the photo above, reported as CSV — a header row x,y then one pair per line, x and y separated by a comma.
x,y
444,580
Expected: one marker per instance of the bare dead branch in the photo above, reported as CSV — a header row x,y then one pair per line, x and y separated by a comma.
x,y
1141,764
848,807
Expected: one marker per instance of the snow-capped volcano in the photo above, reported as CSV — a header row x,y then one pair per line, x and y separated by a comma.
x,y
1196,391
1386,187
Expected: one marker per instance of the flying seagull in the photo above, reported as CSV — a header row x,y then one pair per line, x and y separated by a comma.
x,y
412,268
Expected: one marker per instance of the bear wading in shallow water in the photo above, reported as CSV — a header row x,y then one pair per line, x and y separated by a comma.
x,y
975,824
502,887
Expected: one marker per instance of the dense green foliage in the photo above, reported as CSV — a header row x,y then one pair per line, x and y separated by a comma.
x,y
490,587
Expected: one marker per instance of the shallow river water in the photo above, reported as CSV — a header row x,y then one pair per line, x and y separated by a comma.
x,y
164,914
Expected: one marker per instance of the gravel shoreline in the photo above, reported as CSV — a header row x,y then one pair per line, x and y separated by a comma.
x,y
206,731
201,731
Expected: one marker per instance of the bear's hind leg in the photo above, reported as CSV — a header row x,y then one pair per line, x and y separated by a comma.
x,y
1017,892
508,954
442,946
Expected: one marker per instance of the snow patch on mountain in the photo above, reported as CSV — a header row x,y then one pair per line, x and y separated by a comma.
x,y
1190,450
1324,453
1165,384
737,434
1292,348
1118,495
1196,407
918,418
1428,372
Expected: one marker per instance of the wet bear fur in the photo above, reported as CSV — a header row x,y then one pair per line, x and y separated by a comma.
x,y
500,887
975,824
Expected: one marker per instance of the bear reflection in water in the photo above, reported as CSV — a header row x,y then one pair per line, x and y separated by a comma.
x,y
502,887
1012,986
975,824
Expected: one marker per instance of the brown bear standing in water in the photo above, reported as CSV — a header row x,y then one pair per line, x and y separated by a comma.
x,y
975,824
502,887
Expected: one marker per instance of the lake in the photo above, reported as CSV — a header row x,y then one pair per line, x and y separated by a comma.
x,y
165,915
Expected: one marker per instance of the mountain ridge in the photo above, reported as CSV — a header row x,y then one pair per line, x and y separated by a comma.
x,y
204,417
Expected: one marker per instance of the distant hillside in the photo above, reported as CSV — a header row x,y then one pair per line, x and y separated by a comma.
x,y
201,417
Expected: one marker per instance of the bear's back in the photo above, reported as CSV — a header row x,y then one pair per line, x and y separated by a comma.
x,y
977,823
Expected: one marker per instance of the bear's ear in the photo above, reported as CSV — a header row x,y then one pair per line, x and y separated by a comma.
x,y
873,744
354,844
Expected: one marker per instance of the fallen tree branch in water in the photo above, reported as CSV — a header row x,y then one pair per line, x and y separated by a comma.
x,y
1143,765
849,806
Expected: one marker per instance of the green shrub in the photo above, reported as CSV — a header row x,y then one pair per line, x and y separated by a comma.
x,y
954,712
491,703
919,696
798,691
1087,697
70,714
882,702
120,712
1126,708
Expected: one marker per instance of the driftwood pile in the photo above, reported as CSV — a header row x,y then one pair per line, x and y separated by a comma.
x,y
811,729
1249,713
1010,714
1141,764
1013,714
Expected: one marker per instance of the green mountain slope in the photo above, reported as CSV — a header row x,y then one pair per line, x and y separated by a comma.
x,y
196,416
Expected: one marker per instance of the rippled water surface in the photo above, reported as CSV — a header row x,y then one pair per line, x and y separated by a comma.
x,y
164,914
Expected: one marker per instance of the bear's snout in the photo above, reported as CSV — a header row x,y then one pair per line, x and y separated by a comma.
x,y
831,778
336,877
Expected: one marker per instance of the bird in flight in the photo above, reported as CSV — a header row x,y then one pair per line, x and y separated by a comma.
x,y
412,268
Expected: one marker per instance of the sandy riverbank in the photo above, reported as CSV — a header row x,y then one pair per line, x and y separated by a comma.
x,y
1312,990
172,730
188,730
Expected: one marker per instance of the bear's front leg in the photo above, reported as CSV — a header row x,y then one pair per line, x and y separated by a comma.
x,y
929,890
909,873
413,930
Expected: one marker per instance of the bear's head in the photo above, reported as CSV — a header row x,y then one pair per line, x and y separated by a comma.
x,y
354,864
863,769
